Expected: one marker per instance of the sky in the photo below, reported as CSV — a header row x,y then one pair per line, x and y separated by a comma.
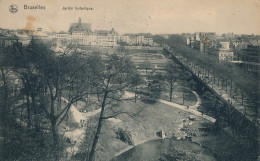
x,y
137,16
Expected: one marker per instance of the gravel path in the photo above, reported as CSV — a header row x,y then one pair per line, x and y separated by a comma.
x,y
193,109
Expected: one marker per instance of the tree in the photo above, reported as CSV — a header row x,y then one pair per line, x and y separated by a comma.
x,y
18,141
7,101
48,79
136,81
155,84
172,74
208,66
112,82
4,84
146,65
65,78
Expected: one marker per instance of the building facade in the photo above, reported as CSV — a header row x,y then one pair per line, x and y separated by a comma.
x,y
225,55
8,40
137,39
251,58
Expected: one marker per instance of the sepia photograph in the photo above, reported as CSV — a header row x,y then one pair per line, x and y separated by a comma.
x,y
121,80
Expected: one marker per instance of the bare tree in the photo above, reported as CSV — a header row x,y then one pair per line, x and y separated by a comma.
x,y
172,75
113,81
46,78
136,81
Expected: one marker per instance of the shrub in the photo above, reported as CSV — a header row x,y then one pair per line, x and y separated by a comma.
x,y
124,136
149,100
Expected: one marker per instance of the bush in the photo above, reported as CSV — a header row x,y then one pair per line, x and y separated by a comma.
x,y
149,100
124,136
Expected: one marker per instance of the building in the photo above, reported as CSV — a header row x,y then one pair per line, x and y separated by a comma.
x,y
81,34
41,36
225,45
8,40
140,39
80,27
201,41
24,39
204,41
197,36
63,35
188,41
250,58
125,38
106,37
137,39
225,52
225,55
207,41
149,41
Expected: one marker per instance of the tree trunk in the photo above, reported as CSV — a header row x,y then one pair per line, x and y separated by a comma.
x,y
235,92
55,145
222,84
242,97
59,99
28,110
5,84
171,90
231,88
4,107
218,81
256,107
54,132
35,113
183,97
94,144
135,93
226,85
21,114
54,129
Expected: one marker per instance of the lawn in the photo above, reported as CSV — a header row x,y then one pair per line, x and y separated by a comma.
x,y
143,127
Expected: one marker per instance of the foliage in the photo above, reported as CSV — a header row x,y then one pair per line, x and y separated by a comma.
x,y
149,100
239,81
36,73
155,84
125,136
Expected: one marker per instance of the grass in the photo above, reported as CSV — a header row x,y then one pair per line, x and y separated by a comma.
x,y
156,117
153,118
189,98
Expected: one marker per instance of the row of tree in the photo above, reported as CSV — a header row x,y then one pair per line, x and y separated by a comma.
x,y
233,79
165,80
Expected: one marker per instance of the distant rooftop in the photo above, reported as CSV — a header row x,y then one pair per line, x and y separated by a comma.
x,y
105,32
